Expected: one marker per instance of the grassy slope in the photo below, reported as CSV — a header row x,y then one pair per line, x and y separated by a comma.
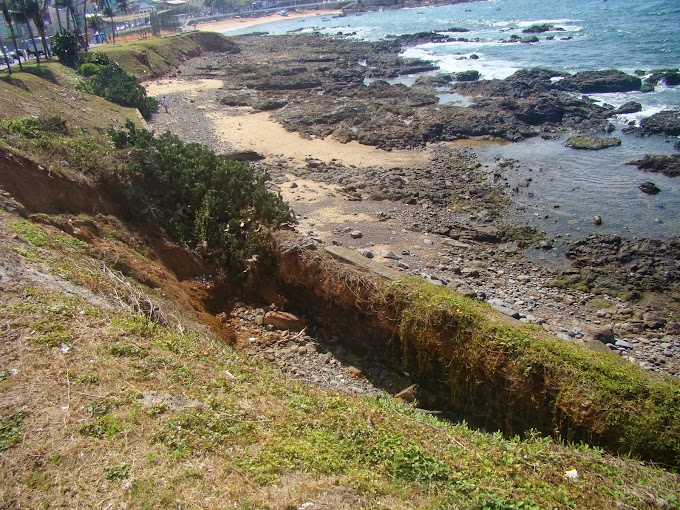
x,y
99,405
157,57
49,89
148,413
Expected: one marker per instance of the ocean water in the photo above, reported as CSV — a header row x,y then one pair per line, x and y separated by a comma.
x,y
566,185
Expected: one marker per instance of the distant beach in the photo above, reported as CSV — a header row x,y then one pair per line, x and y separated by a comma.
x,y
239,23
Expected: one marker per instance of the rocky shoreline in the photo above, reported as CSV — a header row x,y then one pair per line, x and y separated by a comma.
x,y
450,220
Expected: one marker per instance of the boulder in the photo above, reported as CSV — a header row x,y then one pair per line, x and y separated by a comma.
x,y
408,394
470,75
649,187
604,334
629,107
599,81
284,321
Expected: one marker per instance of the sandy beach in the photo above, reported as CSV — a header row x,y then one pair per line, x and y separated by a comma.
x,y
238,23
242,130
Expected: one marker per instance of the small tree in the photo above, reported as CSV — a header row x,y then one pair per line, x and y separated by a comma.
x,y
66,46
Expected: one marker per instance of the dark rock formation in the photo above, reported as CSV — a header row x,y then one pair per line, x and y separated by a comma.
x,y
316,86
629,107
666,165
649,188
540,28
628,267
599,81
471,75
670,77
666,122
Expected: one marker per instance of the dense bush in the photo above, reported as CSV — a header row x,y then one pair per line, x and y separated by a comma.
x,y
66,46
98,58
200,197
113,84
88,69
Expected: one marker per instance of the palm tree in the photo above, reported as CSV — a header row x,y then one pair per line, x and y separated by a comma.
x,y
71,14
36,10
57,5
20,11
8,19
107,10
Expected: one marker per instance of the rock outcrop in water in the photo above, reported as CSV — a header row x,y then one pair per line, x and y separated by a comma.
x,y
666,122
666,165
592,143
589,82
320,85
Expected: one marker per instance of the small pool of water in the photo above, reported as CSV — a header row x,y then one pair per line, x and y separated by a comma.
x,y
454,99
562,189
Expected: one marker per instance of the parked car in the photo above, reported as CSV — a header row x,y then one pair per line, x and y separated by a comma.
x,y
6,60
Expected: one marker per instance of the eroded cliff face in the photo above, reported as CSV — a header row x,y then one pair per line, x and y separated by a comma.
x,y
71,203
466,359
40,190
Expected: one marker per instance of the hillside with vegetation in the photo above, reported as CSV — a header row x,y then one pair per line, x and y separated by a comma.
x,y
122,384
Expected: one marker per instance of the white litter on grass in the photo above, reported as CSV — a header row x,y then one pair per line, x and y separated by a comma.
x,y
571,475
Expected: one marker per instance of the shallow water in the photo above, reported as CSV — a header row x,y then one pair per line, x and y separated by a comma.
x,y
571,186
596,34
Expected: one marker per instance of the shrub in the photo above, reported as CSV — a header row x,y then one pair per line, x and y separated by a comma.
x,y
66,46
98,58
113,84
88,69
199,196
30,127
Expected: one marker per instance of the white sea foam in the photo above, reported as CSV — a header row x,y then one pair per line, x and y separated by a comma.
x,y
488,68
559,22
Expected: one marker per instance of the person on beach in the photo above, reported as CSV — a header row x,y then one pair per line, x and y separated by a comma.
x,y
165,103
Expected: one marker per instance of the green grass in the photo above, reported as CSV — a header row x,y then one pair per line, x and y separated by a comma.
x,y
41,94
32,233
10,429
158,56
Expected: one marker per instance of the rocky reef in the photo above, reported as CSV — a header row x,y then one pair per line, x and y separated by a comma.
x,y
322,86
